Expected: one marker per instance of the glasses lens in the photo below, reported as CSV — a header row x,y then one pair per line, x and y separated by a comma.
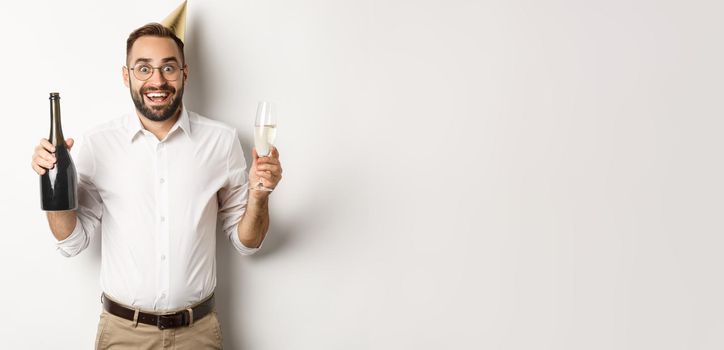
x,y
142,71
170,72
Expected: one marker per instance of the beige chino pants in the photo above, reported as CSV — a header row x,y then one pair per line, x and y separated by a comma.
x,y
115,333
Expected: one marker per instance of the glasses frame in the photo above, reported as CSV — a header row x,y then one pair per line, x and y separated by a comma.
x,y
182,69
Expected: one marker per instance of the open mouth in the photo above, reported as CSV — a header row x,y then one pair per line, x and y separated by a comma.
x,y
157,97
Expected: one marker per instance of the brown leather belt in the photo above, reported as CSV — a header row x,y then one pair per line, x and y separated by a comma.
x,y
163,321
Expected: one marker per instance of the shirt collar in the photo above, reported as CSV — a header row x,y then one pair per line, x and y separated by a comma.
x,y
182,122
134,126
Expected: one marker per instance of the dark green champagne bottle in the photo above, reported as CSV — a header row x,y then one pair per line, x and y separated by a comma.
x,y
58,186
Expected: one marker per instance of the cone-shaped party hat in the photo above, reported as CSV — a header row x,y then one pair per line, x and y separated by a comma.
x,y
176,21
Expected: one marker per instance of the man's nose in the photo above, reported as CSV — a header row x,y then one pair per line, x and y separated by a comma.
x,y
157,77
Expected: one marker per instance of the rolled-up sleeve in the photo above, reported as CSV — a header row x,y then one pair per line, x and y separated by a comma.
x,y
234,196
90,205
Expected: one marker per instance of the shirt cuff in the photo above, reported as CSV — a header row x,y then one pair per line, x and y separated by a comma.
x,y
69,246
240,247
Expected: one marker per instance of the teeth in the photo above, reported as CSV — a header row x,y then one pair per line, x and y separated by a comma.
x,y
156,94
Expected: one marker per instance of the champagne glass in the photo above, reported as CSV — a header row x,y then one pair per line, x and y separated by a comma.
x,y
265,130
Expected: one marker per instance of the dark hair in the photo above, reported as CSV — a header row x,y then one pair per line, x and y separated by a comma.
x,y
153,29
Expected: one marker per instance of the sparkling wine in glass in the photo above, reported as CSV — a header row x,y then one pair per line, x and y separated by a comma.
x,y
265,130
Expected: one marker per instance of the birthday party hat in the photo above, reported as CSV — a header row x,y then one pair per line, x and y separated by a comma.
x,y
176,21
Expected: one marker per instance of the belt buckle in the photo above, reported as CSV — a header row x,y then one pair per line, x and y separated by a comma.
x,y
166,321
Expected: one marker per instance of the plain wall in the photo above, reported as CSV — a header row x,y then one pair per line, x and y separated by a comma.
x,y
457,174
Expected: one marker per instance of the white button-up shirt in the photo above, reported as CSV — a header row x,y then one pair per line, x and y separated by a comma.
x,y
155,204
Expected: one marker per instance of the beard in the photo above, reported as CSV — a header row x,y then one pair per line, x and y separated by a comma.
x,y
158,113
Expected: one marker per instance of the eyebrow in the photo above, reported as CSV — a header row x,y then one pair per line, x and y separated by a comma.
x,y
163,60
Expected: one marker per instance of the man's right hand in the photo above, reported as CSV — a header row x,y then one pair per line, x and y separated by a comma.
x,y
61,223
44,157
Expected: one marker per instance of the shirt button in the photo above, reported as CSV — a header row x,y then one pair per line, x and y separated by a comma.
x,y
163,218
162,180
163,257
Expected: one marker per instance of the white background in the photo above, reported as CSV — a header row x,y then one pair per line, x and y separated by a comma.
x,y
458,174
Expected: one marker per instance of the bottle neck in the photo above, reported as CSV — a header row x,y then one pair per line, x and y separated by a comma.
x,y
56,130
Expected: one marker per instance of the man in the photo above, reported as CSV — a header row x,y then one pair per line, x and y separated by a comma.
x,y
153,183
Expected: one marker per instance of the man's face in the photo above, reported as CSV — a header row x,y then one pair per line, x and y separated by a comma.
x,y
157,98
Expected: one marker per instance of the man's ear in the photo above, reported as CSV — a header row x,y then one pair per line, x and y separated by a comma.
x,y
125,76
186,73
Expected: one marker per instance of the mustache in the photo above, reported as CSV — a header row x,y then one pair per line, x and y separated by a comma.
x,y
163,88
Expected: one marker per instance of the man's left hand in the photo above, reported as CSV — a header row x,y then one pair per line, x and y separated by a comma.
x,y
267,169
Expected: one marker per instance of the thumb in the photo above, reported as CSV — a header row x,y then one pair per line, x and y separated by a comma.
x,y
274,152
69,142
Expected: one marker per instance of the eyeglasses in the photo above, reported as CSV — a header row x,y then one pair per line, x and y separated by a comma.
x,y
144,71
